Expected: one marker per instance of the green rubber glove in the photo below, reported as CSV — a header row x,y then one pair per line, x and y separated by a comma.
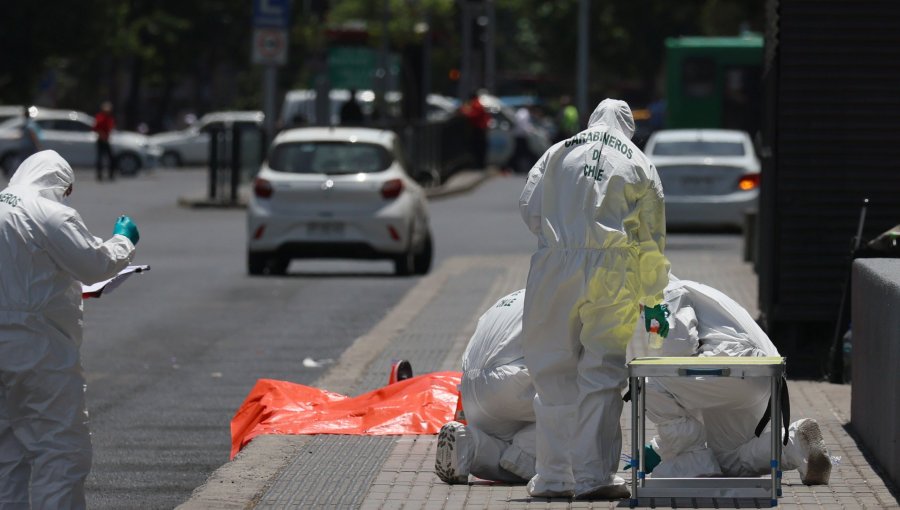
x,y
660,313
126,227
651,458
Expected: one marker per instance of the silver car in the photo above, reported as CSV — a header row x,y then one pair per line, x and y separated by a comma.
x,y
710,177
191,146
71,134
337,193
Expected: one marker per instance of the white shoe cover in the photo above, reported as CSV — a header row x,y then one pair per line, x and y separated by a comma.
x,y
454,453
693,464
616,490
537,488
816,468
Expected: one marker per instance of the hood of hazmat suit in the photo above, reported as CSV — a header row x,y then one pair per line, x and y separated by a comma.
x,y
496,341
613,113
46,252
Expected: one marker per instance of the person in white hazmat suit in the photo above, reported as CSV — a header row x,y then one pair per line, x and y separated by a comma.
x,y
497,442
595,203
707,425
46,252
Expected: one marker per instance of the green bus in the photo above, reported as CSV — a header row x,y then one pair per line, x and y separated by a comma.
x,y
714,82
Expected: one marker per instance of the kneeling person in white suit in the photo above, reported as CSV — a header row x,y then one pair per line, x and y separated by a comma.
x,y
706,427
498,441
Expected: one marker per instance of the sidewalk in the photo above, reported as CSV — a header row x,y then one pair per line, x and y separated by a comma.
x,y
430,327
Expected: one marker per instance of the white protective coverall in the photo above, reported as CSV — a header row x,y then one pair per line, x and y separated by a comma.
x,y
498,396
707,425
46,252
595,203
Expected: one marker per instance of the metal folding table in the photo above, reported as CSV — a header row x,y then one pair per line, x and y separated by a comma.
x,y
724,487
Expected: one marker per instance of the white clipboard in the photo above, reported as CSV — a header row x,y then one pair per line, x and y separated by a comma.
x,y
106,286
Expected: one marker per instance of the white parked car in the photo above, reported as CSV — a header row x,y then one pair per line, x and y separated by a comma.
x,y
190,146
337,193
9,111
710,177
70,133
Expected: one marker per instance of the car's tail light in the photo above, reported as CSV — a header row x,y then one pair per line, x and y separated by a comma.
x,y
392,189
393,232
262,188
748,182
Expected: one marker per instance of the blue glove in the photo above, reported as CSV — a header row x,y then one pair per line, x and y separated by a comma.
x,y
660,313
126,227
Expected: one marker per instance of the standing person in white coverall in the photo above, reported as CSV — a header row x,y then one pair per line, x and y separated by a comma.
x,y
46,253
707,425
497,395
595,203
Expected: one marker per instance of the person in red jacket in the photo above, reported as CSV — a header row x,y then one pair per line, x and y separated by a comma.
x,y
104,123
479,119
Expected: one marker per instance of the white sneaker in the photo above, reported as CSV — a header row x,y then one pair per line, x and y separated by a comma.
x,y
453,456
616,490
816,468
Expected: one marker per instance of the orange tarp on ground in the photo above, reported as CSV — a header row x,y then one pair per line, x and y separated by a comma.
x,y
419,405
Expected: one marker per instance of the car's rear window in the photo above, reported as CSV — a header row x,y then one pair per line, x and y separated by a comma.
x,y
698,148
329,158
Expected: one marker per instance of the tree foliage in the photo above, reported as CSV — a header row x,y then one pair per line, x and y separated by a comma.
x,y
155,58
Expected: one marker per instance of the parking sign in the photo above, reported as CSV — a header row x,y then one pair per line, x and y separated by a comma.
x,y
272,14
271,21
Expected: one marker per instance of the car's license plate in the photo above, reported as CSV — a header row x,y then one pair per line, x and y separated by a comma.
x,y
323,229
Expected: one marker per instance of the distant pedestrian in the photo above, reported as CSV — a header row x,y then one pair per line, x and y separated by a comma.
x,y
351,112
104,124
31,136
569,121
479,120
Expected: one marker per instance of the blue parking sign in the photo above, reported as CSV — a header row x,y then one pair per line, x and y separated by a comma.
x,y
271,13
